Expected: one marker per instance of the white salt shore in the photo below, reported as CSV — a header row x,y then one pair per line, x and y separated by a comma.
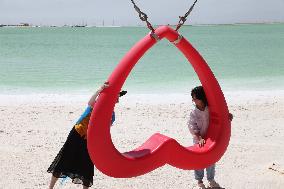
x,y
35,126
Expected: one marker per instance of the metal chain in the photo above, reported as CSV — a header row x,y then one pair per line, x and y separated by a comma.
x,y
182,19
143,17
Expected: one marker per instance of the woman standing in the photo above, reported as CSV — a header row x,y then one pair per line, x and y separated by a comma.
x,y
73,159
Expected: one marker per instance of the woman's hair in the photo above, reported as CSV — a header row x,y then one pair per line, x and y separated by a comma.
x,y
121,93
199,93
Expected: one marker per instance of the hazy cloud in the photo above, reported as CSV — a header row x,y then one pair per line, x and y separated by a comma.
x,y
121,12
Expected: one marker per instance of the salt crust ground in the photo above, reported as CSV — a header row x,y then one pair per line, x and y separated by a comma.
x,y
35,126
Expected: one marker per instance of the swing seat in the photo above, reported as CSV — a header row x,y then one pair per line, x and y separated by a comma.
x,y
153,144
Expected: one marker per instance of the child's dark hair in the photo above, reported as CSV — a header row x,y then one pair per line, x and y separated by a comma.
x,y
199,93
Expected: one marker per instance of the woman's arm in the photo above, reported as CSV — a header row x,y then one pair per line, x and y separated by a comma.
x,y
97,93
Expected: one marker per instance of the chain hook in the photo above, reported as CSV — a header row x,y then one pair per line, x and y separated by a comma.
x,y
144,17
182,19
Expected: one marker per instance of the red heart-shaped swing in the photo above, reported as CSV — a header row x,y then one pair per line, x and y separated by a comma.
x,y
158,150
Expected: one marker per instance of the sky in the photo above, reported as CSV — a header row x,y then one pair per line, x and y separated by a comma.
x,y
121,12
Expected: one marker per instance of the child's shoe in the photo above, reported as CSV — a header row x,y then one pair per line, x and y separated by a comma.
x,y
201,185
213,184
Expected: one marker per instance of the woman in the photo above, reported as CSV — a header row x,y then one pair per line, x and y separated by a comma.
x,y
73,159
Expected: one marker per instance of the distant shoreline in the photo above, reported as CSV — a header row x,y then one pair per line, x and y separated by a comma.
x,y
27,25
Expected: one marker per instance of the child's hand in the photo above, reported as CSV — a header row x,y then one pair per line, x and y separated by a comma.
x,y
201,142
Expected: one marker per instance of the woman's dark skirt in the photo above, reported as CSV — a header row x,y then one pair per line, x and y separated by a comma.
x,y
73,161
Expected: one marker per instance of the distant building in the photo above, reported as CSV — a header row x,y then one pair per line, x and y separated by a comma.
x,y
24,24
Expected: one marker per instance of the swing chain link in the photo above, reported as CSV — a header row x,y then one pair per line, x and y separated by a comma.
x,y
182,19
143,17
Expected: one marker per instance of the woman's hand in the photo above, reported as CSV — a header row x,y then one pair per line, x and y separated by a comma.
x,y
105,85
97,93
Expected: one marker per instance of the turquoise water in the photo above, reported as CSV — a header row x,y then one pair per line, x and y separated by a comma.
x,y
242,57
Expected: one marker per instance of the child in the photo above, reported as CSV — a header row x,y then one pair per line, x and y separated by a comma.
x,y
198,125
